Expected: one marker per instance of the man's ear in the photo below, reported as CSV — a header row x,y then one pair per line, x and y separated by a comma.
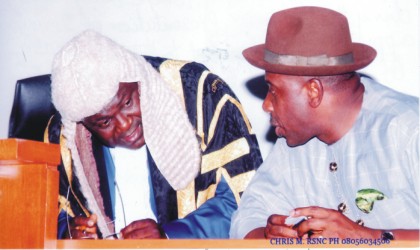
x,y
315,92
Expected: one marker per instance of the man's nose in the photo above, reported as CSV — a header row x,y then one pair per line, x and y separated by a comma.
x,y
123,121
267,106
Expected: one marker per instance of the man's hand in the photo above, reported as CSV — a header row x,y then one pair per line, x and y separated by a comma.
x,y
330,223
143,229
276,228
84,227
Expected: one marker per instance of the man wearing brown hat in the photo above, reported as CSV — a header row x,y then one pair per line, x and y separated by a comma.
x,y
346,164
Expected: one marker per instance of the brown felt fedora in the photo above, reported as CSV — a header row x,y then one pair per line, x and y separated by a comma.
x,y
309,41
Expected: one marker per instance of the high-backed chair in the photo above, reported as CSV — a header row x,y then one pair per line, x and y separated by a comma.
x,y
32,108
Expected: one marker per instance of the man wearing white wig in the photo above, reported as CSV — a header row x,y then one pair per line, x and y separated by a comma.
x,y
151,147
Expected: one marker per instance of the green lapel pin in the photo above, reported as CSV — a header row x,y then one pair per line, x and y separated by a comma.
x,y
365,199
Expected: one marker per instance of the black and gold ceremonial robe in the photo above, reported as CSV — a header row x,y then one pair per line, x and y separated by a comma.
x,y
230,157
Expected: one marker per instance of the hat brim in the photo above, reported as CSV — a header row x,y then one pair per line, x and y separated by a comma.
x,y
363,55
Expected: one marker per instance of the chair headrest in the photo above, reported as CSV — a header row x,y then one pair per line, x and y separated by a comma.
x,y
32,108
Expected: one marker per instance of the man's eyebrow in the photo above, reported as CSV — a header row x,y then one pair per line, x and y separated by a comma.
x,y
103,118
95,121
120,100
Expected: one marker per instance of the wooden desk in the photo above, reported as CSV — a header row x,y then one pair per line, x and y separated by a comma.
x,y
28,194
28,208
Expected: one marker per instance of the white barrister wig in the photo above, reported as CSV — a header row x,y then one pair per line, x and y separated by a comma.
x,y
85,76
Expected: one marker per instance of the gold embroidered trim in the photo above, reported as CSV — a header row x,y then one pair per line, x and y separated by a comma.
x,y
214,85
204,195
66,158
46,134
241,181
67,163
186,200
228,179
210,192
170,72
200,118
216,115
221,157
65,205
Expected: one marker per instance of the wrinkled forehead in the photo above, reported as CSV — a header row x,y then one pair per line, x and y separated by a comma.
x,y
277,79
124,93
